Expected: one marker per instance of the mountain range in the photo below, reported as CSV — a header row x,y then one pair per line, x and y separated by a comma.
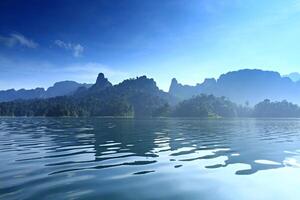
x,y
58,89
139,97
228,96
243,87
247,86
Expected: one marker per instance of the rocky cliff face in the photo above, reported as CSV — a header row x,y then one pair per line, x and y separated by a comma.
x,y
101,83
186,91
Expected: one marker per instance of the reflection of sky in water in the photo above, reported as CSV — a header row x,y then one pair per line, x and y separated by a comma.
x,y
158,158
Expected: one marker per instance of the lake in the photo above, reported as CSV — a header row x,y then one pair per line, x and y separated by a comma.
x,y
106,158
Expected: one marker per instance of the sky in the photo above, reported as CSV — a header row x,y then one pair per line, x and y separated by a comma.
x,y
42,42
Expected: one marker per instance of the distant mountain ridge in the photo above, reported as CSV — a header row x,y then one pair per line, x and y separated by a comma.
x,y
64,88
247,85
140,97
58,89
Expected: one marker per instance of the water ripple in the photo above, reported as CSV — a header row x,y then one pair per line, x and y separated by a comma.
x,y
75,156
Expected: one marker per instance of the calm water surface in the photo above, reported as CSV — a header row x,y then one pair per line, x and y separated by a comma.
x,y
96,158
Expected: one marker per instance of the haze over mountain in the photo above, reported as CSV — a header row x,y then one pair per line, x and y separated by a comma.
x,y
295,76
247,86
58,89
140,97
243,86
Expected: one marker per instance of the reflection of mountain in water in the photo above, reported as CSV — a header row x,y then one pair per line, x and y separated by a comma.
x,y
99,143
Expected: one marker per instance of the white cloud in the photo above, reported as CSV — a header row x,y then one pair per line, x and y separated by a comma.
x,y
77,49
15,39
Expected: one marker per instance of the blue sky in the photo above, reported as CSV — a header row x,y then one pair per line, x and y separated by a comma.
x,y
42,42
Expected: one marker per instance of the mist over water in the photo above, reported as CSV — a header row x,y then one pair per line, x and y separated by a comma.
x,y
105,158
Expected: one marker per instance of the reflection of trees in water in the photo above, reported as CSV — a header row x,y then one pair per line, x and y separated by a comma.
x,y
247,138
241,141
129,135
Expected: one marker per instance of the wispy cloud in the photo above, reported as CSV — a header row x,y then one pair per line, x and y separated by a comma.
x,y
77,49
15,39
